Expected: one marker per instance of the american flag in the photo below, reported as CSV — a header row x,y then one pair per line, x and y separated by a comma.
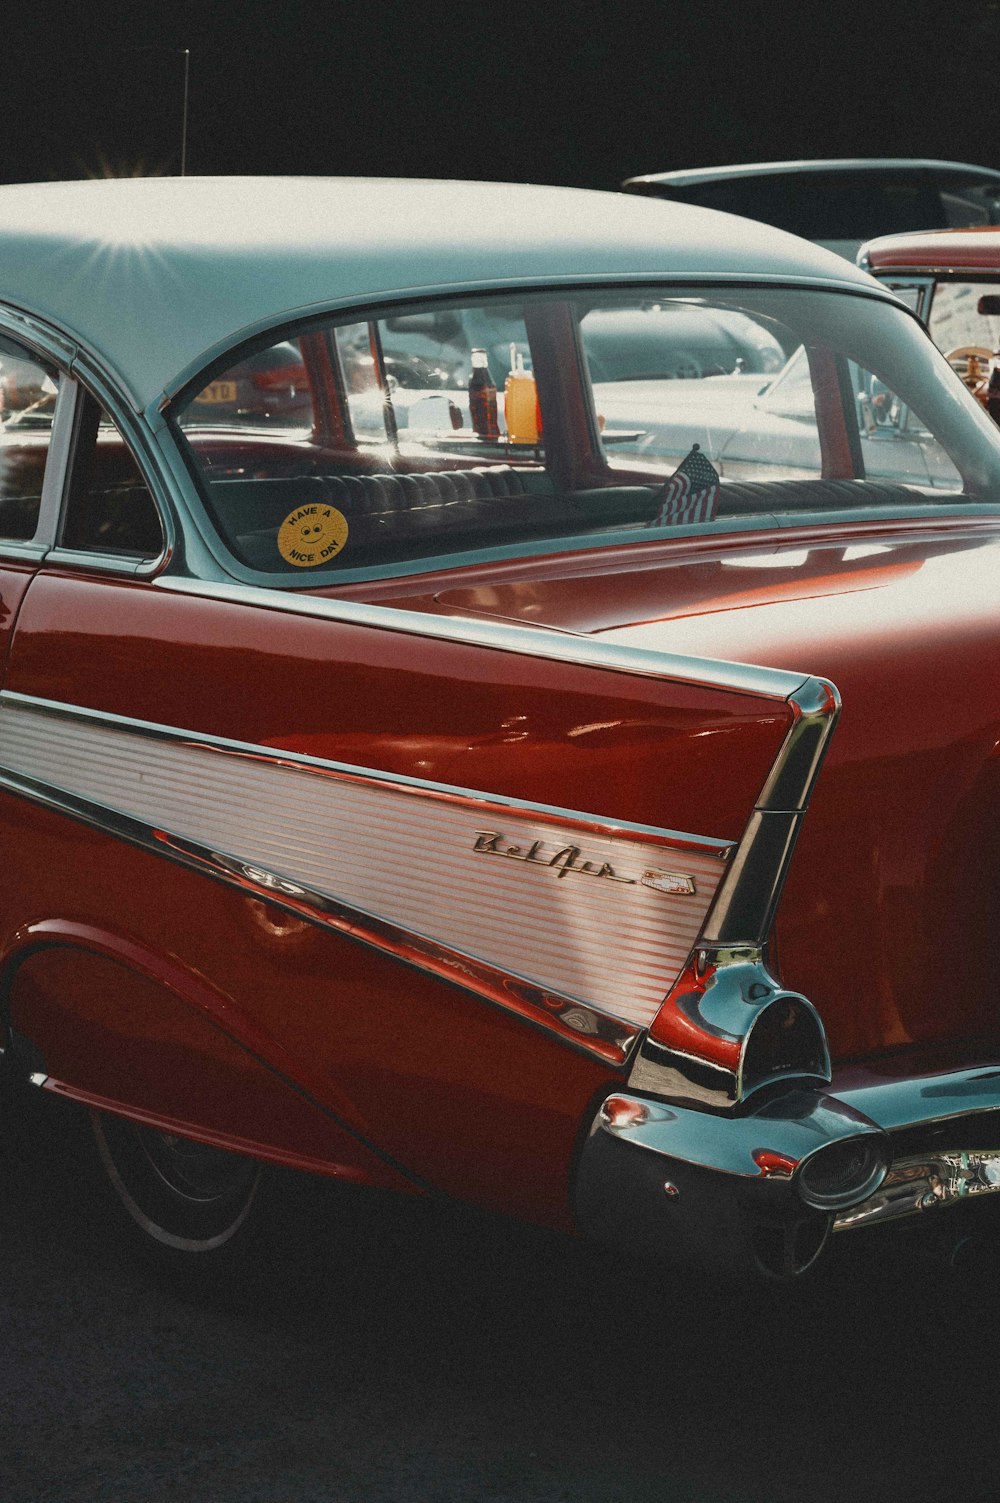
x,y
691,494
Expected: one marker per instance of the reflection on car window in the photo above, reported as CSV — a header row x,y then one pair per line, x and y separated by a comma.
x,y
269,388
433,430
28,389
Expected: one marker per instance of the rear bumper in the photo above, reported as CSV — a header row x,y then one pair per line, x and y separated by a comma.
x,y
760,1190
944,1128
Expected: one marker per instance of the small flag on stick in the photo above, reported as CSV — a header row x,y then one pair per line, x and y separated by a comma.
x,y
691,494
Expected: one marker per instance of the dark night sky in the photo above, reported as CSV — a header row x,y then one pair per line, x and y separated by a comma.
x,y
550,92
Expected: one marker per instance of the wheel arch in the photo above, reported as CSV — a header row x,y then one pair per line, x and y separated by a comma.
x,y
95,1015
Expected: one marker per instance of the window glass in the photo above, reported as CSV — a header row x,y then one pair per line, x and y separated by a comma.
x,y
753,426
965,314
28,389
268,389
109,509
554,419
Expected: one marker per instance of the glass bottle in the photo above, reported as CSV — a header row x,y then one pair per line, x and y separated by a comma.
x,y
483,398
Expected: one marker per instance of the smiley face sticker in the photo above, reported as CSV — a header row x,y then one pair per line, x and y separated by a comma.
x,y
312,535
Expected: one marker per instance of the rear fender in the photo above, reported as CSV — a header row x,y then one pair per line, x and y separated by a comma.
x,y
96,1017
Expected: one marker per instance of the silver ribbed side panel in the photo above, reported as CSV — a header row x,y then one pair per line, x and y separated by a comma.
x,y
404,854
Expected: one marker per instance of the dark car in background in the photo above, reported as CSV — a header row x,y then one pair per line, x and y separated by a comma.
x,y
839,202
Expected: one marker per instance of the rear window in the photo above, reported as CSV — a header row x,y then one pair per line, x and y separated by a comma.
x,y
423,434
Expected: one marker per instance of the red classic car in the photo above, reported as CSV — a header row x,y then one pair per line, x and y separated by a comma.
x,y
412,803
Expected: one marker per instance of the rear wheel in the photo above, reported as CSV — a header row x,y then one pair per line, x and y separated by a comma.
x,y
184,1198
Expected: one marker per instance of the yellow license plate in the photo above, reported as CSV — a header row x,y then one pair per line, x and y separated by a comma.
x,y
218,391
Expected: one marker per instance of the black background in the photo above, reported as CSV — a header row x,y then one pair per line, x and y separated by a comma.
x,y
550,92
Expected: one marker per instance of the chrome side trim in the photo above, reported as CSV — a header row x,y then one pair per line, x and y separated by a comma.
x,y
529,641
744,907
698,1042
573,1021
396,864
483,803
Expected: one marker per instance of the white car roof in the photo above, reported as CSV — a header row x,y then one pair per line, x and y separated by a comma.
x,y
157,276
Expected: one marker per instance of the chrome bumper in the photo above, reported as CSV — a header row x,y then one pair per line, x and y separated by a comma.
x,y
945,1131
759,1191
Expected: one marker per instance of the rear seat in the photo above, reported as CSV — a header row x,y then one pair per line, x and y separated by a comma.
x,y
758,496
394,515
388,509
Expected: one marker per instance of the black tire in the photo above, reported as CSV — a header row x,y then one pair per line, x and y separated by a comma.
x,y
187,1204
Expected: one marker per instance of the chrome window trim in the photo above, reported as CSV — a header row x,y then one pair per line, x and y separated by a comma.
x,y
43,337
57,465
105,563
14,552
79,370
294,320
87,380
56,459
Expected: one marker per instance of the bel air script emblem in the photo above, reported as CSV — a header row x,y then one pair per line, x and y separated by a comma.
x,y
565,860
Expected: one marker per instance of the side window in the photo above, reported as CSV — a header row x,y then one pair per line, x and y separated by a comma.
x,y
28,389
109,508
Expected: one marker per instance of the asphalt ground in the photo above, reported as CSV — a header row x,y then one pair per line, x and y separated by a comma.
x,y
395,1350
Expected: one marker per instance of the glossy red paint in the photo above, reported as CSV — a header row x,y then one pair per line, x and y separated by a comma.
x,y
323,1011
113,1039
14,580
330,1013
678,755
904,622
532,729
902,619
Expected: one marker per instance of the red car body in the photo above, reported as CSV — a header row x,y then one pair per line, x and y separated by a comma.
x,y
526,763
